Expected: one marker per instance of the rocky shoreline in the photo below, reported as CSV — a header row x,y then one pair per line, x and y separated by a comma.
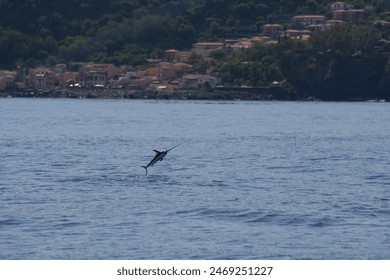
x,y
251,94
215,94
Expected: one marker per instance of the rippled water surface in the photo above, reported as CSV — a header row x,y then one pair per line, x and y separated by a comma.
x,y
250,180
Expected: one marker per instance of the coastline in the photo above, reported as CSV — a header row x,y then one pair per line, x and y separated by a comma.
x,y
246,94
272,93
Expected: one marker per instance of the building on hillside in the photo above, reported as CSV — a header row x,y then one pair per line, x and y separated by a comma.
x,y
348,15
184,56
93,75
382,23
272,30
245,43
64,78
316,27
171,56
295,34
382,47
133,80
354,14
328,24
181,68
340,6
204,49
42,79
61,68
98,75
21,79
68,79
175,56
165,71
168,71
7,79
346,12
153,62
197,81
333,22
306,20
339,15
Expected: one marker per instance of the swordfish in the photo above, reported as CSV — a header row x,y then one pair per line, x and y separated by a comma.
x,y
158,157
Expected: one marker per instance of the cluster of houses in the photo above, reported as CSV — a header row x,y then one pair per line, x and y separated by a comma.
x,y
175,69
301,26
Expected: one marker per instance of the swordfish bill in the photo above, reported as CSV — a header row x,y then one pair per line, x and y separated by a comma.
x,y
159,156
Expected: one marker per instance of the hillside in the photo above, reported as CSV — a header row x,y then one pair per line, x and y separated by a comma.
x,y
342,62
38,32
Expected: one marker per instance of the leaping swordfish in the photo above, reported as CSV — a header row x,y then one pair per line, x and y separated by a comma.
x,y
158,157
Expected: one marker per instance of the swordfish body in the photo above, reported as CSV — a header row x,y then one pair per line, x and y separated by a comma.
x,y
159,156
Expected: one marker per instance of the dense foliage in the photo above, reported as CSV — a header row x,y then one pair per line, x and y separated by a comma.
x,y
261,65
36,32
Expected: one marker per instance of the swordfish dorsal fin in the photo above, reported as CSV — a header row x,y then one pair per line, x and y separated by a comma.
x,y
159,156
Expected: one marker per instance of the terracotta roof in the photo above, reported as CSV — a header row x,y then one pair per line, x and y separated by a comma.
x,y
272,25
308,16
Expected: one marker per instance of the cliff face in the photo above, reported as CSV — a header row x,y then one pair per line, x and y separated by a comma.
x,y
354,77
342,78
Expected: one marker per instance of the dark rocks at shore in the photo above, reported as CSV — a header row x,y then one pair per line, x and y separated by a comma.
x,y
271,94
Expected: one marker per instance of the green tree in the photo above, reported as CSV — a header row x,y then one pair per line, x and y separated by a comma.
x,y
12,47
241,11
345,39
149,30
76,48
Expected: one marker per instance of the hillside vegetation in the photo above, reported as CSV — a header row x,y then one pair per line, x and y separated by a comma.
x,y
34,32
40,32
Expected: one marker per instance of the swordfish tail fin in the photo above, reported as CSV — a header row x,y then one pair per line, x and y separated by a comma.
x,y
146,169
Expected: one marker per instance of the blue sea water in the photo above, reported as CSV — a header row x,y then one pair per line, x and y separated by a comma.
x,y
250,180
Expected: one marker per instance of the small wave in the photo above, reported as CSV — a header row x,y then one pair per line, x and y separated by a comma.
x,y
73,179
9,222
218,213
218,183
385,212
59,165
69,224
246,216
190,211
279,219
288,167
264,218
364,210
376,176
231,213
326,221
328,158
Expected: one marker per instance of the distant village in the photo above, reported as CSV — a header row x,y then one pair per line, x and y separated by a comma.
x,y
175,69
